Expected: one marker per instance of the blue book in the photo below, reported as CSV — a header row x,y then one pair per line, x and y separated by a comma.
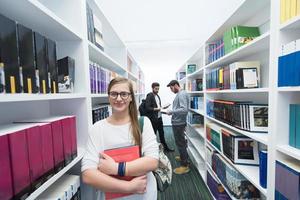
x,y
263,161
297,122
281,71
297,68
292,128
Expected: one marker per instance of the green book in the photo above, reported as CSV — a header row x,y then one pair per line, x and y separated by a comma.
x,y
245,34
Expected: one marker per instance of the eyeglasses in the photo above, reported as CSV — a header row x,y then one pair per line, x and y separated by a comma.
x,y
123,95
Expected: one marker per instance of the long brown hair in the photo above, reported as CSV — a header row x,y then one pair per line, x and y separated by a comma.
x,y
133,113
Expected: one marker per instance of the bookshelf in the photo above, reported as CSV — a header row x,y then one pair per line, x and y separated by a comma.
x,y
66,24
266,49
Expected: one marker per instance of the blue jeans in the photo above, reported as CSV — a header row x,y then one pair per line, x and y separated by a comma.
x,y
181,143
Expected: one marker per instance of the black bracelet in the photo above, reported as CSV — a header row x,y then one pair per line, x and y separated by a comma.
x,y
120,169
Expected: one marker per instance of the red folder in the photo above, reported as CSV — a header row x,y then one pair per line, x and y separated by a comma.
x,y
66,123
6,188
73,136
20,163
123,154
34,141
47,149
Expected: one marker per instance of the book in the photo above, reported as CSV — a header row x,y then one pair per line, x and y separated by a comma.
x,y
27,58
66,74
41,62
165,105
9,55
263,162
122,154
258,118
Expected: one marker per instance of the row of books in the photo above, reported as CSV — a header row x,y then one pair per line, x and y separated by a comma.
x,y
196,103
66,188
289,9
294,126
237,36
101,112
94,28
32,151
242,115
238,148
233,180
100,78
194,118
238,75
28,61
289,64
287,180
195,85
215,50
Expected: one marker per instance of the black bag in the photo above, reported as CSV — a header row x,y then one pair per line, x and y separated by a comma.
x,y
142,108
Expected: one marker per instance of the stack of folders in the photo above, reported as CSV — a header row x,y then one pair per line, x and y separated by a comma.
x,y
294,127
289,64
289,9
122,154
238,36
66,188
287,181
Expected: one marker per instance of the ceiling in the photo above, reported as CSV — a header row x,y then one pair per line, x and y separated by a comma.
x,y
165,32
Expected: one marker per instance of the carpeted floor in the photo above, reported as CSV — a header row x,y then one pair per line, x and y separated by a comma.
x,y
189,186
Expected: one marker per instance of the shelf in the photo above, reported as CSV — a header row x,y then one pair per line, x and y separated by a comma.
x,y
293,23
289,89
96,55
132,76
199,130
248,171
21,97
196,73
196,163
200,112
259,44
99,95
52,180
182,80
36,16
289,151
198,146
253,90
194,92
260,137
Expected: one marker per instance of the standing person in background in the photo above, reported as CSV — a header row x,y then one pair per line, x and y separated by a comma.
x,y
119,130
179,113
153,107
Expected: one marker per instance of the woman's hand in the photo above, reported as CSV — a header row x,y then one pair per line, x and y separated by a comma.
x,y
107,165
138,184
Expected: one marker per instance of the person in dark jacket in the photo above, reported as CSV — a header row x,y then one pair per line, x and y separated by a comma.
x,y
153,107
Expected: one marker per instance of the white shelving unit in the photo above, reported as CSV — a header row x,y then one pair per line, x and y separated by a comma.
x,y
65,22
266,15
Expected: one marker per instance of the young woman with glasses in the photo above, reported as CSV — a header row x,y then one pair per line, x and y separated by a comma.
x,y
119,130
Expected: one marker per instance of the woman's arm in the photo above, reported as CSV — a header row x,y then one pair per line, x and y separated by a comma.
x,y
107,183
140,166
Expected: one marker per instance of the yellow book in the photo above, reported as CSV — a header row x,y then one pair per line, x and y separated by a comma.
x,y
293,9
287,9
298,7
12,84
29,85
221,76
282,11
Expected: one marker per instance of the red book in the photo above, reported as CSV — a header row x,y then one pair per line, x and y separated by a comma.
x,y
123,154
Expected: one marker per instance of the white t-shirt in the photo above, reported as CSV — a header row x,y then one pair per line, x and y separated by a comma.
x,y
104,135
158,104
